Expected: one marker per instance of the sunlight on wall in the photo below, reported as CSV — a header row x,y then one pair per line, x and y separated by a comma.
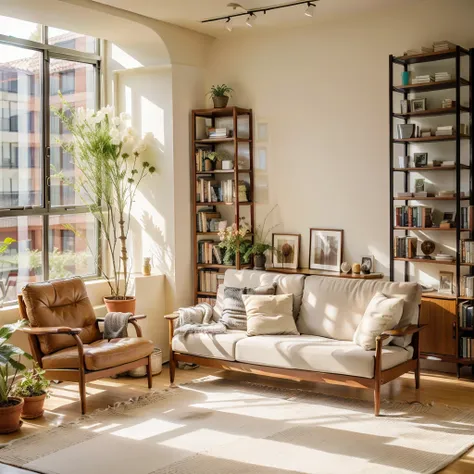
x,y
124,59
152,119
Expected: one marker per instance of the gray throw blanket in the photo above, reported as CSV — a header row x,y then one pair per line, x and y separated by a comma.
x,y
197,319
115,325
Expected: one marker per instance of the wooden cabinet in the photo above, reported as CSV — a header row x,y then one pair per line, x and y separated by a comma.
x,y
439,338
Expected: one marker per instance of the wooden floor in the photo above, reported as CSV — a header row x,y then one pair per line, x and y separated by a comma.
x,y
64,404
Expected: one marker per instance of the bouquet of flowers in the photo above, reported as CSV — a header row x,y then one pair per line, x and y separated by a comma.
x,y
234,240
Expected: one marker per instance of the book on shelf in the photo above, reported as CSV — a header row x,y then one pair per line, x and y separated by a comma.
x,y
218,132
466,347
201,154
467,216
467,286
439,46
413,216
209,252
442,76
210,190
467,251
405,247
465,314
208,281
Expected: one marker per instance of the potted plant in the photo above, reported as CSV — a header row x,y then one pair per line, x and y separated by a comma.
x,y
233,241
10,365
33,389
210,160
260,245
109,155
220,95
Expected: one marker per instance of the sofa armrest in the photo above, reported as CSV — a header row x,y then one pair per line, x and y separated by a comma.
x,y
405,331
44,331
172,316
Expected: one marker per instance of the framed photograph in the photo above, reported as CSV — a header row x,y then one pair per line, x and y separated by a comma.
x,y
446,282
420,159
417,105
369,261
325,249
419,185
286,251
404,107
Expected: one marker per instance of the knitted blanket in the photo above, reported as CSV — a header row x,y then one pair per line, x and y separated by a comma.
x,y
115,325
197,319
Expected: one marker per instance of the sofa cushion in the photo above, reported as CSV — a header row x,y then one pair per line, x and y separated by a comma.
x,y
101,354
215,346
333,307
269,314
383,313
253,278
318,354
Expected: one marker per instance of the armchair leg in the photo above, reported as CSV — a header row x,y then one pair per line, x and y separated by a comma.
x,y
149,373
82,391
377,399
417,374
172,367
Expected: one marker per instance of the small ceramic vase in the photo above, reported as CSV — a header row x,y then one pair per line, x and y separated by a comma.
x,y
356,268
147,266
345,267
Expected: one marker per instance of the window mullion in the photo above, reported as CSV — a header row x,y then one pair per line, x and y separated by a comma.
x,y
46,160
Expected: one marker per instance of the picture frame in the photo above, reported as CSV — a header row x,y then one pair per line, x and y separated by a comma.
x,y
446,283
326,249
417,105
286,250
370,260
419,185
404,106
420,159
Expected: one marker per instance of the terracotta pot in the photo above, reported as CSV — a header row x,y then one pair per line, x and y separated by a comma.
x,y
208,165
33,407
10,416
120,306
220,101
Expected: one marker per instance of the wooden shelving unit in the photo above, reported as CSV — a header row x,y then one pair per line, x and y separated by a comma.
x,y
441,340
237,143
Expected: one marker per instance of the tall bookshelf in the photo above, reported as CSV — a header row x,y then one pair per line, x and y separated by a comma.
x,y
238,147
442,339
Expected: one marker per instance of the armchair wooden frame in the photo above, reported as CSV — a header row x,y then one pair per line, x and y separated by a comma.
x,y
380,377
80,375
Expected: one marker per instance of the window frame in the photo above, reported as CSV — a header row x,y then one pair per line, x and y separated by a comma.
x,y
46,209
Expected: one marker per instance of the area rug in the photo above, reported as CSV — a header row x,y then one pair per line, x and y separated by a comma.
x,y
219,426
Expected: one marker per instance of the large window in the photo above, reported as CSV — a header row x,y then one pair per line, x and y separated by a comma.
x,y
54,234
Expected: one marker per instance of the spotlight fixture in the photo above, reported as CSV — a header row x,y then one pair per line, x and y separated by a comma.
x,y
251,20
310,9
228,24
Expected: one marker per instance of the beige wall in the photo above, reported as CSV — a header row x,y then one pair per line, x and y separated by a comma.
x,y
323,90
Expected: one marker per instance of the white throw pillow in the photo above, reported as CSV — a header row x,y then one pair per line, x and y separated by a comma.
x,y
382,313
269,314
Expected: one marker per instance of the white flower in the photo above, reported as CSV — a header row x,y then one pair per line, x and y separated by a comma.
x,y
140,148
108,110
124,116
116,121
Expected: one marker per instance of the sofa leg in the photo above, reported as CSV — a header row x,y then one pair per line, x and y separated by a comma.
x,y
377,399
149,373
172,367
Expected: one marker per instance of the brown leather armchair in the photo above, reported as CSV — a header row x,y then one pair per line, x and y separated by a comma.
x,y
65,339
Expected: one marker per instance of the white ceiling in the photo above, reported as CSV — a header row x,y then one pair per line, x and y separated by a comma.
x,y
189,13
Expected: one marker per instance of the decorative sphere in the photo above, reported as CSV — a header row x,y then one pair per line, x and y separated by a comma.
x,y
428,247
345,267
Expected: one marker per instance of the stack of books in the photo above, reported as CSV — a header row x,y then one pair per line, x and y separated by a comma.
x,y
467,251
444,257
405,247
404,195
448,163
442,76
448,103
217,132
467,286
446,130
467,215
425,79
209,252
210,190
208,220
466,314
466,349
439,46
208,281
413,216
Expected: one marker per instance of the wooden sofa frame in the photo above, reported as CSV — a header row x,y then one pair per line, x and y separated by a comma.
x,y
80,375
380,378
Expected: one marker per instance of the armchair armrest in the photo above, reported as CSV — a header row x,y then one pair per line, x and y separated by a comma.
x,y
43,331
405,331
172,316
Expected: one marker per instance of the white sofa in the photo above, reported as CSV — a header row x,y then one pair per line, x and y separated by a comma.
x,y
327,311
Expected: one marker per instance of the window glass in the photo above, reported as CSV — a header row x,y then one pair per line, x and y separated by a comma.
x,y
77,83
72,245
71,40
20,127
22,261
20,29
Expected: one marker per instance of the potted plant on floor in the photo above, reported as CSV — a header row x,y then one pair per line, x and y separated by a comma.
x,y
260,244
110,158
10,366
220,95
33,389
